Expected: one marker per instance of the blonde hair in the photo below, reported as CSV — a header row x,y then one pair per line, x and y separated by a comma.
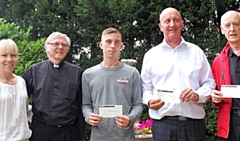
x,y
8,45
110,30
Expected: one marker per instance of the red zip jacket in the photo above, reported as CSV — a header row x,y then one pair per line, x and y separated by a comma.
x,y
221,74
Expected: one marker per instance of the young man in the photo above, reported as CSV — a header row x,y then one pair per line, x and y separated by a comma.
x,y
176,81
226,71
56,90
108,84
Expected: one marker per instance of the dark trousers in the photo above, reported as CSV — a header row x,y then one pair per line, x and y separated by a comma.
x,y
44,132
234,132
175,130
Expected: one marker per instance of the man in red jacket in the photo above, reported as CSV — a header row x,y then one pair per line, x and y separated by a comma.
x,y
226,71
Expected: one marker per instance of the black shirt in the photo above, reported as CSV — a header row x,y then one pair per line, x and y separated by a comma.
x,y
234,62
56,92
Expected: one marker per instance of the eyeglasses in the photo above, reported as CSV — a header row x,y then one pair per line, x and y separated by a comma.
x,y
58,44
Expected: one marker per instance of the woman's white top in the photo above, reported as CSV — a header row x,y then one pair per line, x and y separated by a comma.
x,y
14,111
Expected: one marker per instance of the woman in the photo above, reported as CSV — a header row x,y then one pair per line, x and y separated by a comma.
x,y
13,96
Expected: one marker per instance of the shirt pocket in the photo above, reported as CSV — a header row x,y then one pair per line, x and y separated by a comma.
x,y
71,90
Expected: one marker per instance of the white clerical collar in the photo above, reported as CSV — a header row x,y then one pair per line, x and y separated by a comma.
x,y
56,65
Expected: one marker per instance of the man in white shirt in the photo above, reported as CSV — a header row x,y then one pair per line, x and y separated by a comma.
x,y
176,81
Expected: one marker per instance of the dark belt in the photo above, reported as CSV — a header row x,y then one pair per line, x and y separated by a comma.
x,y
49,124
178,118
236,112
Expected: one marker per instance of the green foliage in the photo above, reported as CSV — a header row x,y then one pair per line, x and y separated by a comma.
x,y
133,18
30,51
145,114
13,31
45,17
84,20
210,120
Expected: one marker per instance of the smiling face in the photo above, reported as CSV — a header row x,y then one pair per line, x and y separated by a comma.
x,y
111,44
171,24
230,26
8,55
57,49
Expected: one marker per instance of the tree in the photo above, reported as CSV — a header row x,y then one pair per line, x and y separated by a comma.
x,y
30,51
45,17
84,20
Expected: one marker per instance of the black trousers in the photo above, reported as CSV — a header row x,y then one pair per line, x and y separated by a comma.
x,y
176,130
234,132
44,132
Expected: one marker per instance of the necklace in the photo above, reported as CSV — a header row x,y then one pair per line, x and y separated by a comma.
x,y
13,91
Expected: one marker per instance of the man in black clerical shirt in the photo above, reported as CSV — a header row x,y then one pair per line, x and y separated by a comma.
x,y
56,90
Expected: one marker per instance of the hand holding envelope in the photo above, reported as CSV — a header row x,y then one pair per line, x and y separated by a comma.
x,y
108,111
155,104
185,95
95,119
122,121
105,111
168,96
114,111
217,96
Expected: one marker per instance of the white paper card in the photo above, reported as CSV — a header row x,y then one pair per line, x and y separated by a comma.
x,y
110,110
169,96
230,91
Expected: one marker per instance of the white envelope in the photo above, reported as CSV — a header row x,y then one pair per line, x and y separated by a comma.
x,y
230,91
169,96
110,110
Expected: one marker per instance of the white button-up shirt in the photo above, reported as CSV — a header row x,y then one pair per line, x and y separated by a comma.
x,y
174,69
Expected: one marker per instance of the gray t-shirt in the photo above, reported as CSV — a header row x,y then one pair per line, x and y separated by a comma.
x,y
112,86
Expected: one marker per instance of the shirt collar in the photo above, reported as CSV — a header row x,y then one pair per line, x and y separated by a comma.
x,y
56,65
183,42
231,53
